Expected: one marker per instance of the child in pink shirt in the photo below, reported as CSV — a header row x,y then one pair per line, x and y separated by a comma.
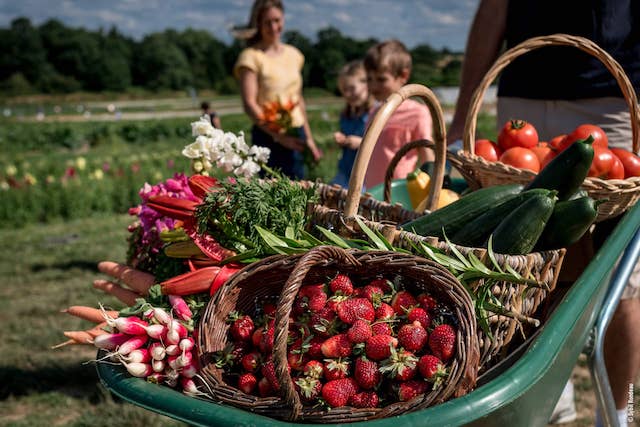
x,y
388,66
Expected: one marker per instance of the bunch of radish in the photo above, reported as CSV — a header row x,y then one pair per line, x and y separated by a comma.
x,y
157,345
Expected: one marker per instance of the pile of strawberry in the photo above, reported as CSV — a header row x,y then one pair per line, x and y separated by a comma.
x,y
363,346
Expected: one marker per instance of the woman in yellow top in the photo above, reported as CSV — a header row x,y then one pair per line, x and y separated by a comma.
x,y
269,70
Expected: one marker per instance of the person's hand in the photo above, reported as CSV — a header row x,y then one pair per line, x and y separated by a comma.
x,y
316,152
340,138
292,143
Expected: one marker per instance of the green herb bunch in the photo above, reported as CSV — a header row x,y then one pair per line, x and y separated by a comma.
x,y
231,212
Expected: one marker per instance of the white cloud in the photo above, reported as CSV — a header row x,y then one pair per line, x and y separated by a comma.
x,y
343,17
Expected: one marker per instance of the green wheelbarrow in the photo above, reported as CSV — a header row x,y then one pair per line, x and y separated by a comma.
x,y
522,394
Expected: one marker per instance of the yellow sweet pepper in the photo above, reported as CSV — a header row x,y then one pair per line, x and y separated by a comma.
x,y
417,187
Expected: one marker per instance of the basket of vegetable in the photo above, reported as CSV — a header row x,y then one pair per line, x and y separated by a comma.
x,y
620,193
490,238
343,336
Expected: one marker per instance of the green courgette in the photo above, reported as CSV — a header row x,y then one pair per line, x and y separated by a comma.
x,y
566,172
519,231
451,218
568,223
475,232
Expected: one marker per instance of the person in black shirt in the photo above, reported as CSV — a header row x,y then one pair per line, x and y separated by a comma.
x,y
556,89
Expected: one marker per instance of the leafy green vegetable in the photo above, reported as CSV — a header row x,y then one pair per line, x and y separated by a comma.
x,y
233,213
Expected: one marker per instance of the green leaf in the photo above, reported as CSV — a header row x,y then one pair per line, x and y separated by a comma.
x,y
334,238
289,233
270,238
492,255
310,238
477,264
379,244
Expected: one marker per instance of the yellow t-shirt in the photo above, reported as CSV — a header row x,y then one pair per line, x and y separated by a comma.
x,y
279,77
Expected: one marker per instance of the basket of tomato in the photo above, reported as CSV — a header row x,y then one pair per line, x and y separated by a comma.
x,y
611,175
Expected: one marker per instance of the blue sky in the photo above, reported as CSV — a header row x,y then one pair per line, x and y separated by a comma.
x,y
440,23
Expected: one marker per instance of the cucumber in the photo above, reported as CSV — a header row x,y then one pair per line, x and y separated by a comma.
x,y
568,223
451,218
475,232
519,231
566,172
578,194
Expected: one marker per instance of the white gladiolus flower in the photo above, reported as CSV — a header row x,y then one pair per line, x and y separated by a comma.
x,y
247,169
201,127
192,151
259,154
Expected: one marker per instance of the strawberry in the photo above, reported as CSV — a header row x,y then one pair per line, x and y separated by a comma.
x,y
356,308
426,301
385,312
251,361
247,383
442,341
336,346
402,301
341,283
334,369
269,309
338,392
407,390
308,388
296,358
373,293
313,369
256,337
241,326
378,347
315,348
383,284
432,369
266,340
421,315
268,371
310,297
264,388
366,373
239,349
364,399
382,328
359,332
412,336
401,365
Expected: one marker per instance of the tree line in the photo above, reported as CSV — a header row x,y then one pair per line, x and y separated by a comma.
x,y
54,58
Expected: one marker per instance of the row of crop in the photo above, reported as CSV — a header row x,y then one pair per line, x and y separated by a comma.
x,y
82,189
16,137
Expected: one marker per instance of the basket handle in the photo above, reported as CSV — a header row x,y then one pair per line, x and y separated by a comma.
x,y
371,138
552,40
316,256
420,143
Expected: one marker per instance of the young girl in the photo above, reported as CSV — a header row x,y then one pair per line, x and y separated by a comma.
x,y
352,82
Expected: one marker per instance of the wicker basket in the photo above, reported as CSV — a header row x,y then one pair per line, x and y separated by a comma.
x,y
282,276
523,302
621,194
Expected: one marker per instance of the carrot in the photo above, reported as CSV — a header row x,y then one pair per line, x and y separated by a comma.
x,y
97,330
125,295
137,280
192,282
91,314
82,337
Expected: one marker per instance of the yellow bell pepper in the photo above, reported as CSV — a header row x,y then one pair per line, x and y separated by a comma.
x,y
417,187
446,196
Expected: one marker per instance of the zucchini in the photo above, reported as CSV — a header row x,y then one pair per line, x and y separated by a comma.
x,y
578,194
568,223
475,232
566,172
451,218
519,231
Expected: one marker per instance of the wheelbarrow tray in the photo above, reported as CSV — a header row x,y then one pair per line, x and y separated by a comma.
x,y
523,395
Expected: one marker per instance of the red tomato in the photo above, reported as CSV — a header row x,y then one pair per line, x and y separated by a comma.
x,y
544,152
488,150
522,158
582,132
617,170
630,161
603,160
517,133
556,141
